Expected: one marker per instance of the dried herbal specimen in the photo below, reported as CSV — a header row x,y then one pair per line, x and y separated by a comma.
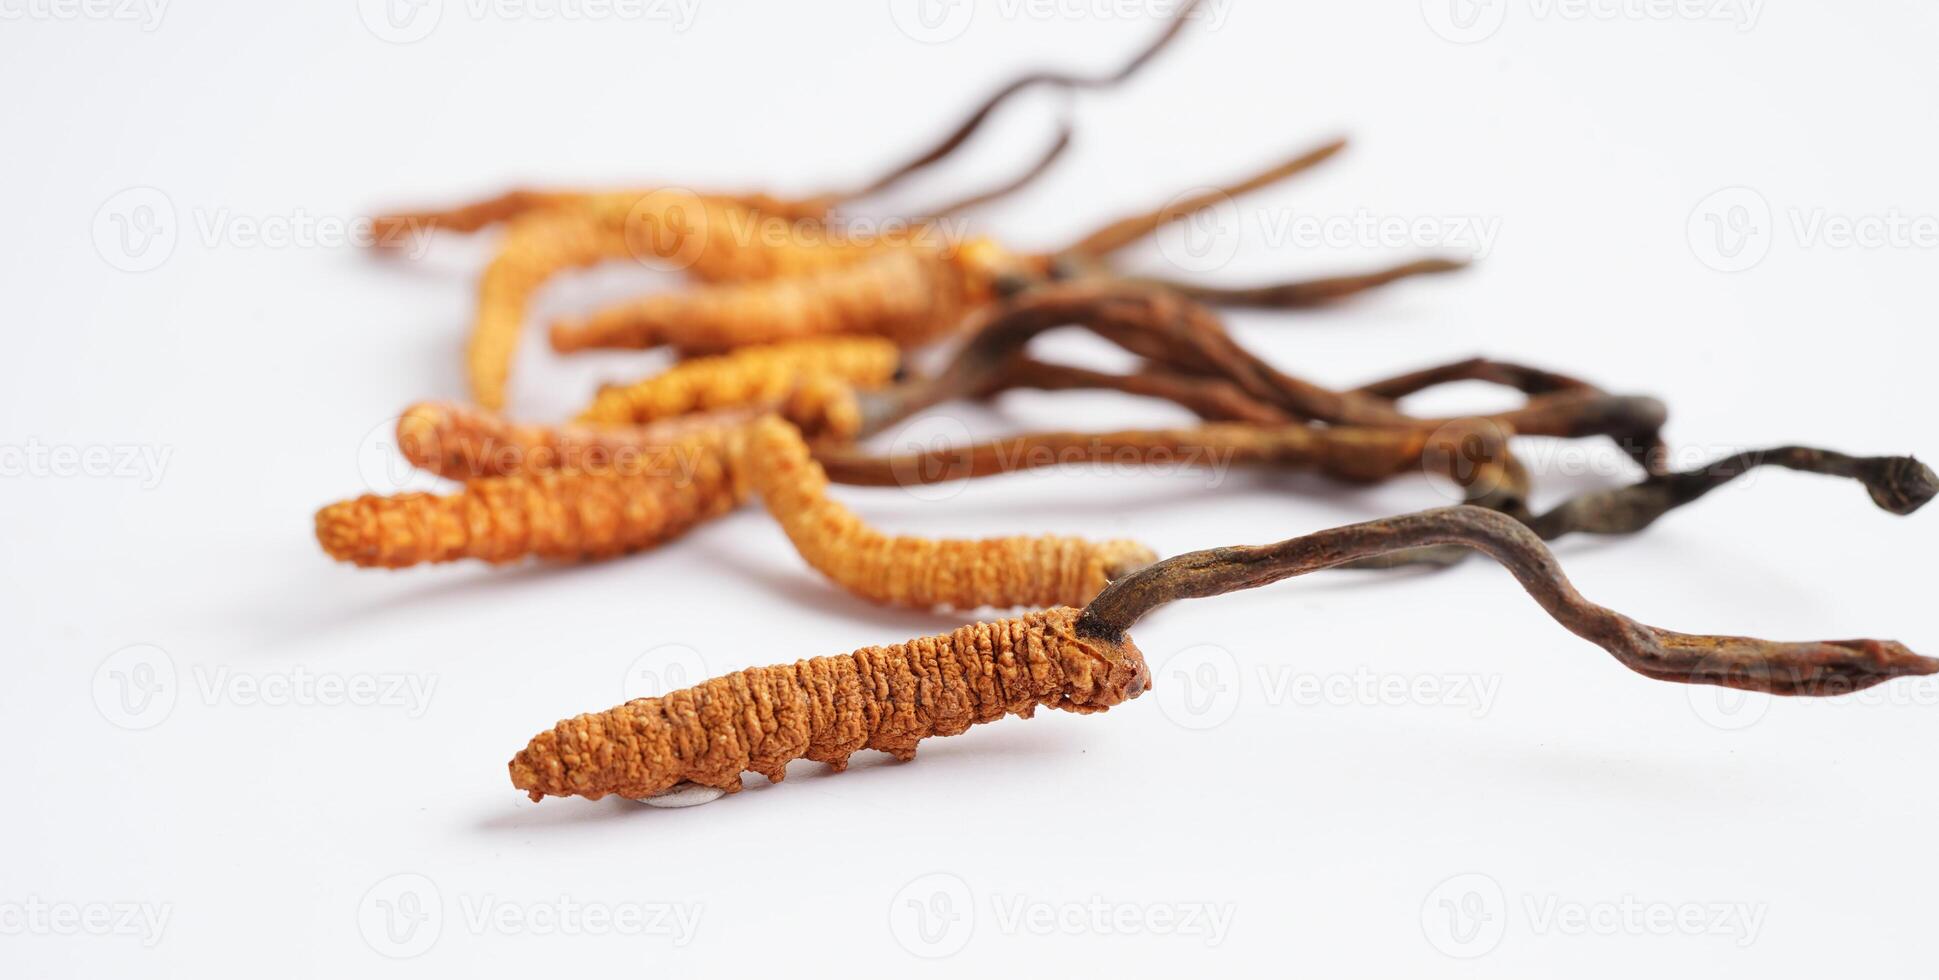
x,y
459,442
884,698
1897,484
1359,455
910,295
1044,570
560,514
890,698
1189,358
761,376
713,237
1811,668
475,216
920,287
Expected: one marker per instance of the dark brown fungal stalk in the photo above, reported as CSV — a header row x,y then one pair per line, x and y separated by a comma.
x,y
1897,484
1476,457
1084,254
390,229
1303,294
1061,80
1192,358
1809,668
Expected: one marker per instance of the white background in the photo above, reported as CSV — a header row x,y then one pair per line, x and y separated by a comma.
x,y
1342,833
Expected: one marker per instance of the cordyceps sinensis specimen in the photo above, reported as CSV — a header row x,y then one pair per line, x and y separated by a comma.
x,y
890,698
1898,485
389,229
887,698
1042,570
920,287
638,500
616,498
711,237
1190,358
764,375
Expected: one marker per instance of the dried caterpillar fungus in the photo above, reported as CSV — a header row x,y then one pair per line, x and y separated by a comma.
x,y
750,376
459,442
908,295
887,698
705,236
477,215
555,514
1044,570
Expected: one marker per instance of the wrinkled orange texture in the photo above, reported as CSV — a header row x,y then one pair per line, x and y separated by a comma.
x,y
887,698
909,295
556,514
710,238
1041,570
759,375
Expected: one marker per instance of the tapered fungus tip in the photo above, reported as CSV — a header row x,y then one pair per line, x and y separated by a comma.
x,y
1900,484
531,763
1886,659
1823,668
1436,266
342,529
420,432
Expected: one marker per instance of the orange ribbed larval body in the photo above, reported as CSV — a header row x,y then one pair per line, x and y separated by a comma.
x,y
887,698
1040,570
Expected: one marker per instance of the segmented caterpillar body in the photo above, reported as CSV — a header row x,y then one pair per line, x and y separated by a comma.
x,y
1042,570
761,375
887,698
713,239
908,295
460,442
555,514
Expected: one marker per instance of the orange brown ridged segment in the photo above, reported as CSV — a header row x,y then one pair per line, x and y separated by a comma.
x,y
554,514
483,213
460,442
887,698
908,295
760,375
1041,570
535,249
695,233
